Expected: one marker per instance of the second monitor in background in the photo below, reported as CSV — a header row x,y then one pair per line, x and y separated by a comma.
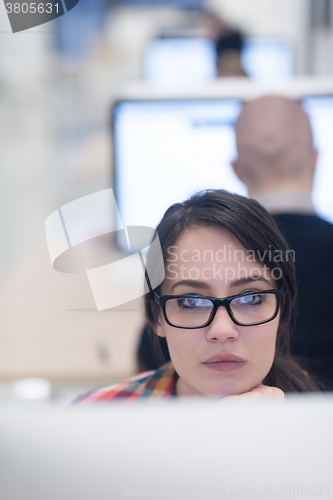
x,y
179,61
188,61
166,150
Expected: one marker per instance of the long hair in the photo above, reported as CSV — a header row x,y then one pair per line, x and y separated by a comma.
x,y
256,230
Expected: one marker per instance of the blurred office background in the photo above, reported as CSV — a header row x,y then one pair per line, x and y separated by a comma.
x,y
57,84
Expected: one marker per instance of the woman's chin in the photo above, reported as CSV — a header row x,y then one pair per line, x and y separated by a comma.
x,y
230,390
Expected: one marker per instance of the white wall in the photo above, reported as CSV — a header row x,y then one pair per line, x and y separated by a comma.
x,y
262,17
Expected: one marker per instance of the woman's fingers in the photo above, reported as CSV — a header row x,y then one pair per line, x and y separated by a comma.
x,y
266,392
261,392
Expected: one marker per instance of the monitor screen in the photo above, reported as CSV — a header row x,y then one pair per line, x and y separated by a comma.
x,y
170,62
268,59
179,61
320,111
166,150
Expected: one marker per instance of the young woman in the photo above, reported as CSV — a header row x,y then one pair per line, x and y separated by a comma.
x,y
224,305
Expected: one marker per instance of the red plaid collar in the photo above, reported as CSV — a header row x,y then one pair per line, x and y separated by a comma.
x,y
158,383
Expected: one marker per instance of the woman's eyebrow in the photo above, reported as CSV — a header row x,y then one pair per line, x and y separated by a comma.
x,y
193,284
250,279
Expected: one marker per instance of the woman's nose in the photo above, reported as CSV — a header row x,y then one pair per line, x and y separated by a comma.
x,y
222,327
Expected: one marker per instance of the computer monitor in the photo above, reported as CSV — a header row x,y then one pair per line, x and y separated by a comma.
x,y
179,61
166,150
268,59
191,450
320,111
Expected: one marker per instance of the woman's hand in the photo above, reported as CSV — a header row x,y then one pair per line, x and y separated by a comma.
x,y
259,393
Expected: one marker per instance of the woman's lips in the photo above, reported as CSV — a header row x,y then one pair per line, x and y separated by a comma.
x,y
224,363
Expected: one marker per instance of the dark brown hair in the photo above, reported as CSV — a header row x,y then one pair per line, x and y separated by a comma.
x,y
256,230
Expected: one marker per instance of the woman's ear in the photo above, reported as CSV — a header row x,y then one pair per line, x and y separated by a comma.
x,y
159,328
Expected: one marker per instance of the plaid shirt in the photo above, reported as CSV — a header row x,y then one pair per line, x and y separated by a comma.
x,y
158,383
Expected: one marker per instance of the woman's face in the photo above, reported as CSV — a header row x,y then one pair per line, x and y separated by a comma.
x,y
222,358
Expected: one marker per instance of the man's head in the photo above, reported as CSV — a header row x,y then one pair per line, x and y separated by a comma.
x,y
275,146
228,54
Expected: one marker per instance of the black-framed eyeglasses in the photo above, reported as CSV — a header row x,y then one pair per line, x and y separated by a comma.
x,y
197,311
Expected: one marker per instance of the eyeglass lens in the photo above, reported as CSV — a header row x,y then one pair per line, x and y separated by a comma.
x,y
196,311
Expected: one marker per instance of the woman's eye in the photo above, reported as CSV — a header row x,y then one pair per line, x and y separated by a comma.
x,y
248,300
193,303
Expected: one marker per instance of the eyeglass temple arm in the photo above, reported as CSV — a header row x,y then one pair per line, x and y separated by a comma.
x,y
156,298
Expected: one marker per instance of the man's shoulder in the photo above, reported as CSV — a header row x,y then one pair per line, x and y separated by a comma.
x,y
158,383
304,224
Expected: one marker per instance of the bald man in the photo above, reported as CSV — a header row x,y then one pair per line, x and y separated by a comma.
x,y
275,152
277,161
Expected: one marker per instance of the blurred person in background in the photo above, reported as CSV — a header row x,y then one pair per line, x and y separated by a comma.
x,y
229,48
229,43
277,161
227,40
